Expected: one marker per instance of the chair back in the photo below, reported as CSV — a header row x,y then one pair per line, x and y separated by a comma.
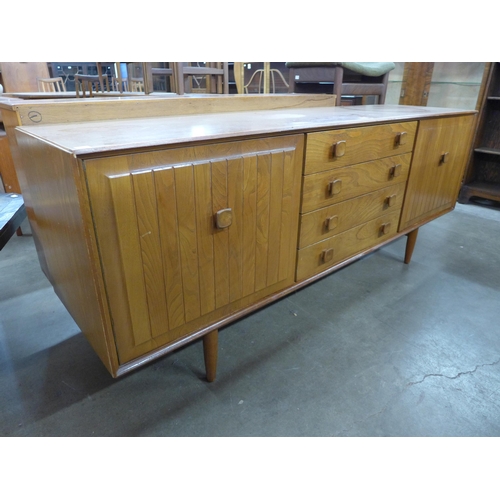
x,y
115,85
162,79
136,84
263,79
51,84
188,75
87,85
144,78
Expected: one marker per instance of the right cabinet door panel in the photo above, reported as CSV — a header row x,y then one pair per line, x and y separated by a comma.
x,y
437,168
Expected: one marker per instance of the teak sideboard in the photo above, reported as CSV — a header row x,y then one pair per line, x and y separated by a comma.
x,y
158,231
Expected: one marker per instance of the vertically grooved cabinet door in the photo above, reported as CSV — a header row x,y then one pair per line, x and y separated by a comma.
x,y
169,240
262,219
188,238
189,235
437,168
235,231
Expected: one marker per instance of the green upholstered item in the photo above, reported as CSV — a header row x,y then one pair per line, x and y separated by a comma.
x,y
363,68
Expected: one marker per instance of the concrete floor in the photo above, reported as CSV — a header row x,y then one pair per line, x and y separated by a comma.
x,y
377,349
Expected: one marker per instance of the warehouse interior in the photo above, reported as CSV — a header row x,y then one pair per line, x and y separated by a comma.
x,y
377,349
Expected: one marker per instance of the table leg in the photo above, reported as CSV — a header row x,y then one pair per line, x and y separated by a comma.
x,y
210,349
410,245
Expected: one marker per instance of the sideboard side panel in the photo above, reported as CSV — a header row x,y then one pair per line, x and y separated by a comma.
x,y
59,216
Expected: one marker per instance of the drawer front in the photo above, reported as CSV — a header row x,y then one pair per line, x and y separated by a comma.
x,y
320,256
324,189
326,222
338,148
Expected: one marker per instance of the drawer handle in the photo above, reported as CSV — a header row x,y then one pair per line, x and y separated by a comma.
x,y
339,149
334,187
385,228
224,218
327,255
401,138
395,171
444,158
331,222
390,200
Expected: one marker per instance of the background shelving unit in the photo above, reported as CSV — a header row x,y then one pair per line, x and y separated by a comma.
x,y
483,173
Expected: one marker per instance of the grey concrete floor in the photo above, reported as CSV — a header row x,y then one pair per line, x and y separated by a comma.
x,y
378,348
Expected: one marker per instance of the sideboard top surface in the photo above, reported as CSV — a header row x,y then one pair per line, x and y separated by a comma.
x,y
89,138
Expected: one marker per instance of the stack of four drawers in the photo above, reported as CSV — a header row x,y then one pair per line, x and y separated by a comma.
x,y
352,193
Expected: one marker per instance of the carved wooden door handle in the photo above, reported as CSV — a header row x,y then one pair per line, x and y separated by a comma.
x,y
395,171
334,187
327,255
385,228
338,149
223,218
390,200
331,222
401,138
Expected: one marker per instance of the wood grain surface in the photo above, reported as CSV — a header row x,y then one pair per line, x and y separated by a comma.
x,y
355,180
314,225
433,184
128,134
154,216
311,261
358,145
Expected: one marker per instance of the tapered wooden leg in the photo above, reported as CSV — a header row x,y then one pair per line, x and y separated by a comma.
x,y
410,245
210,343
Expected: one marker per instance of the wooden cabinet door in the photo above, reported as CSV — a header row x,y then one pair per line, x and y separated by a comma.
x,y
437,168
188,236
